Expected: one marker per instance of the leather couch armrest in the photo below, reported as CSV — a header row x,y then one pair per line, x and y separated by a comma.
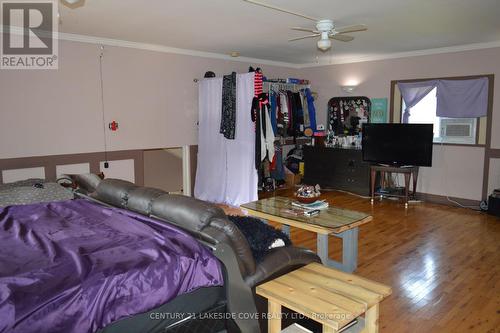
x,y
279,261
88,182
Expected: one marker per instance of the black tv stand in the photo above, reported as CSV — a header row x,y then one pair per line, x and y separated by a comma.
x,y
408,171
337,168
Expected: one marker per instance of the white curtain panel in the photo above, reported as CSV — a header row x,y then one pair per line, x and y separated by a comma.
x,y
225,171
210,184
242,179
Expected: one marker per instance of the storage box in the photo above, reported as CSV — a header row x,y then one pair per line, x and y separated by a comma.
x,y
292,180
494,205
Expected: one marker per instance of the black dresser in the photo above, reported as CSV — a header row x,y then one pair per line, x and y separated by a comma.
x,y
337,168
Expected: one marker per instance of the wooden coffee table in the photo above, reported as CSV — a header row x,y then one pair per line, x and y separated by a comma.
x,y
328,296
332,221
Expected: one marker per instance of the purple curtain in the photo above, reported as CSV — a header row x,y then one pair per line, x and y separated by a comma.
x,y
413,93
462,98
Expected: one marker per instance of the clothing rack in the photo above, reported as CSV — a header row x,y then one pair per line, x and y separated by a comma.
x,y
276,86
268,86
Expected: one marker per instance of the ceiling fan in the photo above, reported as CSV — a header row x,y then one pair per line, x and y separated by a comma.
x,y
325,29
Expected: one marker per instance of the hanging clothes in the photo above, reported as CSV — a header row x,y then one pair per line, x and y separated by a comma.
x,y
285,113
274,117
291,113
280,126
228,117
268,133
258,128
298,125
264,134
305,109
277,169
258,82
311,109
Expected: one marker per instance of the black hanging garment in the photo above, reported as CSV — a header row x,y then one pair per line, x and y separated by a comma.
x,y
259,109
256,119
298,115
228,116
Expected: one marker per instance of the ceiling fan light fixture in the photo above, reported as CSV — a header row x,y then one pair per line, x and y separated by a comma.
x,y
324,44
325,25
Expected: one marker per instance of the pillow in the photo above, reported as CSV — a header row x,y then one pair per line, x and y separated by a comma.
x,y
32,191
261,236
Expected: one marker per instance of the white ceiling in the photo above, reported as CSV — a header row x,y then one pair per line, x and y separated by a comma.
x,y
222,26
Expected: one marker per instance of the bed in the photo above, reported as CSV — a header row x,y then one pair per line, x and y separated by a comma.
x,y
74,265
118,240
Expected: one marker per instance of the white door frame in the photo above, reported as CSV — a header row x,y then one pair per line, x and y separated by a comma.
x,y
186,171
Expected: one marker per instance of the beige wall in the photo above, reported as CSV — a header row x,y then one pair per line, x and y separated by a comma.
x,y
163,169
153,97
150,94
456,171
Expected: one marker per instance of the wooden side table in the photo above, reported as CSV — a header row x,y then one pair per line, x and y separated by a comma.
x,y
408,173
328,296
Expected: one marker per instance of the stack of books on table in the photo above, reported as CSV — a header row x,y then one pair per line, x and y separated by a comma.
x,y
309,210
318,204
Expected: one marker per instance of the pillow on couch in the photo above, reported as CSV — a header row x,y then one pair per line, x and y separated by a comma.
x,y
261,236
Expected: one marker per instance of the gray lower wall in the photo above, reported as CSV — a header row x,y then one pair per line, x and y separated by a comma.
x,y
163,169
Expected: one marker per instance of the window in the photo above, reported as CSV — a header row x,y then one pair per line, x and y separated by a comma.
x,y
446,130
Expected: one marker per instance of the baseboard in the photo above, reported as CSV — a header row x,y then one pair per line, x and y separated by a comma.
x,y
443,200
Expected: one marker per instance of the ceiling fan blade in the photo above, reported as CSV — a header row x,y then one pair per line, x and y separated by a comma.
x,y
305,29
263,4
351,28
303,37
343,38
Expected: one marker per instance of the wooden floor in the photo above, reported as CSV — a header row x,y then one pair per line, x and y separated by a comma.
x,y
442,262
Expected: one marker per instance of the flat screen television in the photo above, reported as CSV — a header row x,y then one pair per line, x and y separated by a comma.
x,y
398,144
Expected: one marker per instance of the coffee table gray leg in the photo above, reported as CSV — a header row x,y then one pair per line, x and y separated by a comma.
x,y
286,229
322,249
349,250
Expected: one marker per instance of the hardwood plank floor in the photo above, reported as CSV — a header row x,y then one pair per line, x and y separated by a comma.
x,y
442,262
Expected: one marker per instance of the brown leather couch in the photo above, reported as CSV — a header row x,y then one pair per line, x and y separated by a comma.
x,y
204,219
210,224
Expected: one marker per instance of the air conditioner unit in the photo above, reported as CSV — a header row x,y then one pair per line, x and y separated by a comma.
x,y
461,130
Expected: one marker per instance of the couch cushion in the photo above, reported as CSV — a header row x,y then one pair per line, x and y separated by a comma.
x,y
114,191
88,182
189,213
141,199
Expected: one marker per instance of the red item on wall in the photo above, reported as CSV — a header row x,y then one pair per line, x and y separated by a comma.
x,y
113,125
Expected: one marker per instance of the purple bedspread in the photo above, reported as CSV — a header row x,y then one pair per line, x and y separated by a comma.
x,y
76,266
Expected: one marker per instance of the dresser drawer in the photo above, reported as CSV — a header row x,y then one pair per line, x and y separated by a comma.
x,y
334,168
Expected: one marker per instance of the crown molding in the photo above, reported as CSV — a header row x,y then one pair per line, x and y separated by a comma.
x,y
157,48
168,49
212,55
416,53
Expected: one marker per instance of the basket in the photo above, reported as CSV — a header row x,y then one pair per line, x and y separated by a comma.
x,y
306,200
